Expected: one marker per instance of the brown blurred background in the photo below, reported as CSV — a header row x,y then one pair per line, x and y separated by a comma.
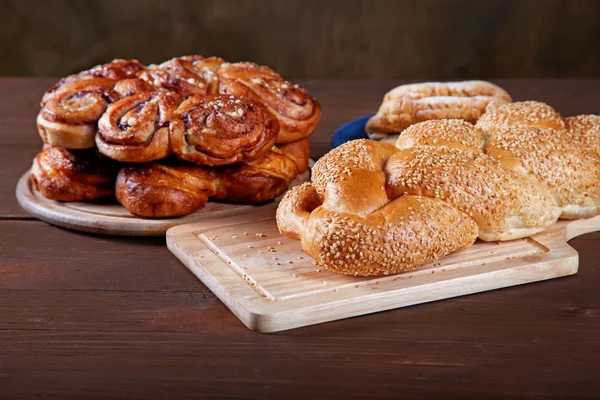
x,y
425,39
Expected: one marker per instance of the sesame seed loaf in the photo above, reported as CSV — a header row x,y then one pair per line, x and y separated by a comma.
x,y
373,208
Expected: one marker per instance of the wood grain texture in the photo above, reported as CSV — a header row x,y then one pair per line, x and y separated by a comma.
x,y
111,317
424,39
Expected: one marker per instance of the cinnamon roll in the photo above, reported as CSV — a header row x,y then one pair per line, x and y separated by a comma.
x,y
71,108
218,130
298,113
115,70
69,116
186,76
135,128
73,175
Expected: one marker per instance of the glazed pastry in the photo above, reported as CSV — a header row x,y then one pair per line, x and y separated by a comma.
x,y
218,130
174,188
72,107
409,104
167,189
186,76
136,128
256,181
73,175
298,113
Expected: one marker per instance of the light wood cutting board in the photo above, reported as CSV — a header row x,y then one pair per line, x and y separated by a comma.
x,y
271,285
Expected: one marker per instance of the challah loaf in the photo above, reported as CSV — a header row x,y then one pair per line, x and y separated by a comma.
x,y
375,209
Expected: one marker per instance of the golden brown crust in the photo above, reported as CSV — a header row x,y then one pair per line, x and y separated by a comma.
x,y
357,216
299,152
186,76
409,104
522,113
504,205
350,178
350,225
72,175
454,133
298,113
218,130
295,208
566,167
586,128
406,233
135,128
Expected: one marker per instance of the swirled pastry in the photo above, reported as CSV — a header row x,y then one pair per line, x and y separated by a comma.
x,y
298,113
136,128
409,104
69,118
71,108
73,175
218,130
186,76
114,70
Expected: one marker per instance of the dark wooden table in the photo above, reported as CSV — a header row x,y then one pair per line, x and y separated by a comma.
x,y
84,316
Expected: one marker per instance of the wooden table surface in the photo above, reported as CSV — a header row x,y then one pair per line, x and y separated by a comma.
x,y
84,316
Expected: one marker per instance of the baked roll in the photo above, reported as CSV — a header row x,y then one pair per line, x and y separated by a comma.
x,y
186,76
69,118
406,105
71,108
298,113
73,175
136,128
219,130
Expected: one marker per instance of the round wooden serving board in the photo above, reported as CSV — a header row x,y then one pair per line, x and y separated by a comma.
x,y
111,218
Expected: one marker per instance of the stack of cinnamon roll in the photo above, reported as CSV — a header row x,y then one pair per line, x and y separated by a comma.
x,y
166,138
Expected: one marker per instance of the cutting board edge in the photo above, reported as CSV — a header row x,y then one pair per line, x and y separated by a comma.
x,y
265,316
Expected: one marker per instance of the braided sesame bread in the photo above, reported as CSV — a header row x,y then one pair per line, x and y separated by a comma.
x,y
376,209
406,105
348,223
531,139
